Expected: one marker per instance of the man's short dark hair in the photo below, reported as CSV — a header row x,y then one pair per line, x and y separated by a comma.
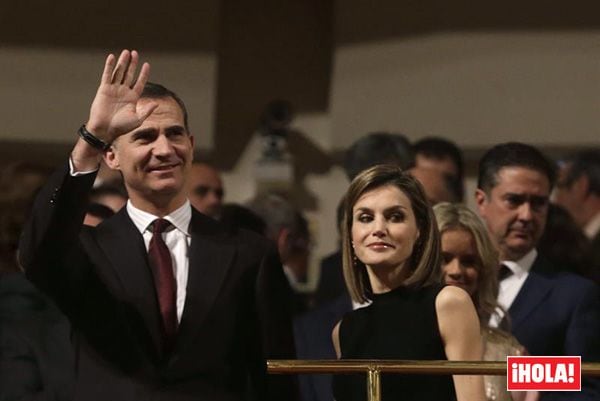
x,y
512,154
157,91
439,149
378,148
586,163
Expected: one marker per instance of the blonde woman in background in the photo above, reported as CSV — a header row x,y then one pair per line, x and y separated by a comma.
x,y
470,261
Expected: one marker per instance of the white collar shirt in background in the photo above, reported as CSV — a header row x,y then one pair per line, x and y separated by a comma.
x,y
511,285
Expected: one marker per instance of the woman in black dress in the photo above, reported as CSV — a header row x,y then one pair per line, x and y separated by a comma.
x,y
391,256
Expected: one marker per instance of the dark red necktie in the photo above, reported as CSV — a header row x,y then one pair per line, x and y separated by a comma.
x,y
164,282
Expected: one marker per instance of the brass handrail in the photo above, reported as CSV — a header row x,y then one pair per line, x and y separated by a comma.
x,y
316,366
374,368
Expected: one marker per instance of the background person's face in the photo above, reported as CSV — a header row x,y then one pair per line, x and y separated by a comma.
x,y
384,229
515,210
460,261
571,196
206,190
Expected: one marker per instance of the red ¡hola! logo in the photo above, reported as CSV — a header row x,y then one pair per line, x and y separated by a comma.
x,y
543,373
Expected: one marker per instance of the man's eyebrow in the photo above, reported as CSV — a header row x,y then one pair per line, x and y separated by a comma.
x,y
176,128
142,132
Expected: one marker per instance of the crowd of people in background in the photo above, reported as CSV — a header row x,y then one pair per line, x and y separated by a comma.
x,y
528,260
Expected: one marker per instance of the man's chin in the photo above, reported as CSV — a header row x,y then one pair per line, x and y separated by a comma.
x,y
517,249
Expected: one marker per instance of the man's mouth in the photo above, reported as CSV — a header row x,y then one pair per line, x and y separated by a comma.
x,y
163,167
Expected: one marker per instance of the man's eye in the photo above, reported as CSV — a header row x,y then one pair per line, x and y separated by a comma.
x,y
143,138
513,201
175,134
538,203
201,190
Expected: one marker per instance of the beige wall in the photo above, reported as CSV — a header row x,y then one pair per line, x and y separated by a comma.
x,y
46,93
477,89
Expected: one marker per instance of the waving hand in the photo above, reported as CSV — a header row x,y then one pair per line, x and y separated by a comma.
x,y
116,109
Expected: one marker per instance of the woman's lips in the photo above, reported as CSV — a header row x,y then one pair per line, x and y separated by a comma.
x,y
380,246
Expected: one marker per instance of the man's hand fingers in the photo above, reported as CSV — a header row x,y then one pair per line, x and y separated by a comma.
x,y
142,79
146,110
129,79
120,69
109,66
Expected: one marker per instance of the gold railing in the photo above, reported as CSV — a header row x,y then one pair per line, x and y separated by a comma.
x,y
373,368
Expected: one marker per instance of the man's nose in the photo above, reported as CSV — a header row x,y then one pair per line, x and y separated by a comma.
x,y
525,212
162,146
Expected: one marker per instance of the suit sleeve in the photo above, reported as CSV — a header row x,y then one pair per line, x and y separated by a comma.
x,y
274,308
49,250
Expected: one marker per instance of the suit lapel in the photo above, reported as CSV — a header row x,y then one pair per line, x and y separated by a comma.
x,y
124,246
534,291
210,258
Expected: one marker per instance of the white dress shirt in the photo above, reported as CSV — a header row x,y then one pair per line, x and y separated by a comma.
x,y
511,285
177,239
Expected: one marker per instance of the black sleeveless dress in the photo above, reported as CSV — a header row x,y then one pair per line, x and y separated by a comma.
x,y
400,324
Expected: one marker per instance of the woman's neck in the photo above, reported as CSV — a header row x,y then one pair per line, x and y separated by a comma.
x,y
386,278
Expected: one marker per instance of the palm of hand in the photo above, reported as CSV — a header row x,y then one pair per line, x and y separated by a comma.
x,y
115,108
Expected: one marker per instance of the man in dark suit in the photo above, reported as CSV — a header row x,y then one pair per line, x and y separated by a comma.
x,y
165,304
578,191
551,314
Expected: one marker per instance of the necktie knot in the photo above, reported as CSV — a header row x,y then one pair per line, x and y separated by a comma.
x,y
159,226
504,272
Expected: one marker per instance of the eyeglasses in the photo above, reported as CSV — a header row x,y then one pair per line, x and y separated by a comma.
x,y
203,190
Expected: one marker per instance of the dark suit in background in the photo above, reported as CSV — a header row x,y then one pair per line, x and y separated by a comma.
x,y
312,332
36,359
559,314
236,312
331,279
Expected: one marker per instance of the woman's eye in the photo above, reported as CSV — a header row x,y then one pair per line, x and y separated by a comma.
x,y
397,217
447,258
469,262
365,218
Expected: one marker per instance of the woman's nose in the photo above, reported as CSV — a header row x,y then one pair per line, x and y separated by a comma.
x,y
453,269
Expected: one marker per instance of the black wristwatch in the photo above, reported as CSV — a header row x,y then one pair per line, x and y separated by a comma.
x,y
93,139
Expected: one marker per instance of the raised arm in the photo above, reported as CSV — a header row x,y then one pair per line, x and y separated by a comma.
x,y
115,109
459,328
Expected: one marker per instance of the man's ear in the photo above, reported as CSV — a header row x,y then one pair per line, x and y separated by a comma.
x,y
111,158
480,200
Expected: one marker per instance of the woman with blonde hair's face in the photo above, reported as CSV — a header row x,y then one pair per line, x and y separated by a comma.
x,y
469,258
460,263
